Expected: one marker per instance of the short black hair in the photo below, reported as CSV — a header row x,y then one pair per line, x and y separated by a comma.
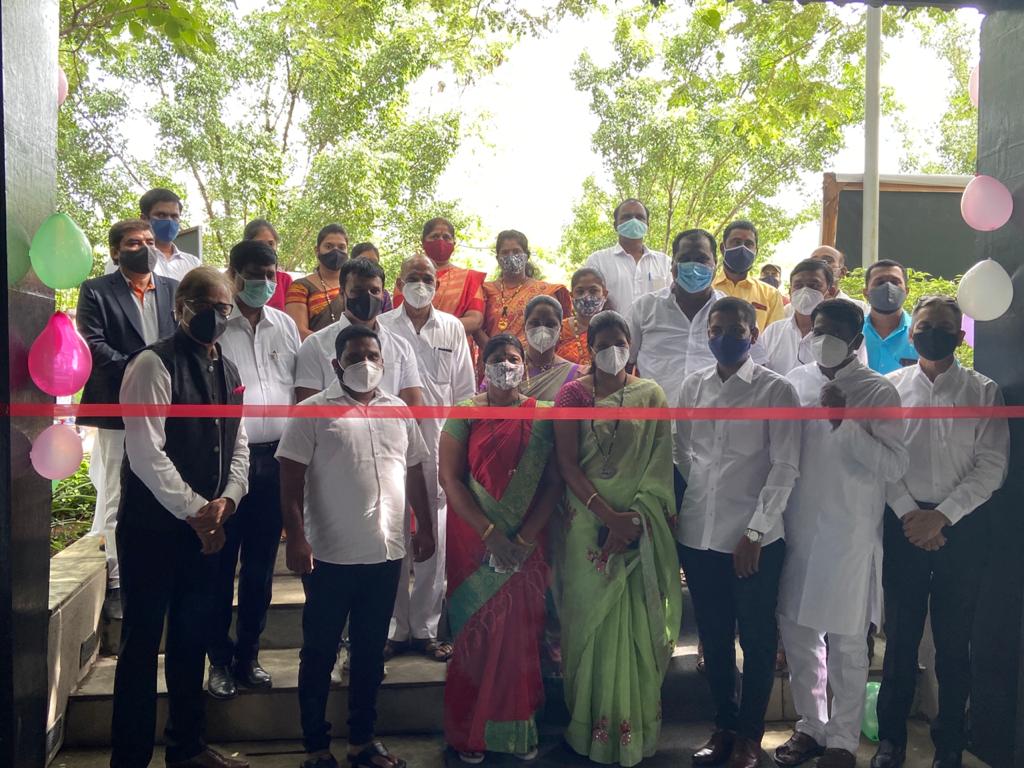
x,y
814,265
843,312
330,229
743,309
502,340
360,248
772,267
695,234
947,302
627,201
350,332
739,224
256,226
885,264
251,252
430,225
158,195
602,321
122,228
361,267
543,298
582,272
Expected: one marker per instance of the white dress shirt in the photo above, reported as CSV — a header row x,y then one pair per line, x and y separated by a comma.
x,y
626,278
954,463
146,380
355,478
177,265
739,474
265,358
832,577
314,369
787,348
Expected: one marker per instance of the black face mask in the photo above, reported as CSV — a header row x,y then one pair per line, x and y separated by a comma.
x,y
333,259
365,306
207,325
935,344
139,261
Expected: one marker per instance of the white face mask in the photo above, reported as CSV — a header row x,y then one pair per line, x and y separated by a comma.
x,y
542,338
829,351
418,294
503,375
611,360
804,300
362,377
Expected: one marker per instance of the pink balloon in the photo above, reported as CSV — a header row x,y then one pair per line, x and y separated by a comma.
x,y
59,361
986,204
57,452
974,85
967,326
62,86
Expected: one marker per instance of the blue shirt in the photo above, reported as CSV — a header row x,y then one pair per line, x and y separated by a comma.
x,y
885,355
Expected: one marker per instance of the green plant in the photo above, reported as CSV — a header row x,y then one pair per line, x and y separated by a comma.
x,y
74,500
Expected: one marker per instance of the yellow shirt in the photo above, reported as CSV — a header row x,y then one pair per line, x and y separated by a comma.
x,y
766,299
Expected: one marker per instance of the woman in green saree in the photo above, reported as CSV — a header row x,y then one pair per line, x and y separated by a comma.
x,y
621,600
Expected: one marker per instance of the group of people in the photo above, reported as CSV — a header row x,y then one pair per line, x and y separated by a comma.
x,y
567,536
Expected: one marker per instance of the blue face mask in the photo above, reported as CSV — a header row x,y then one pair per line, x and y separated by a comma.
x,y
164,230
256,293
729,350
739,259
693,277
632,229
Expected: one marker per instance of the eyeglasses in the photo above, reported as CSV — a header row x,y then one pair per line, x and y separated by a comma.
x,y
220,309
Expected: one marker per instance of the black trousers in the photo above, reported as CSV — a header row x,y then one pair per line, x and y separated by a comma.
x,y
722,602
948,580
164,575
253,533
335,593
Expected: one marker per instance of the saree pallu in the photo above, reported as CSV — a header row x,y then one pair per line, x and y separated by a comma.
x,y
545,385
508,314
573,346
620,616
494,685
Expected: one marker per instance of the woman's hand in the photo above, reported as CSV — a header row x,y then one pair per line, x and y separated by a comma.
x,y
506,554
622,532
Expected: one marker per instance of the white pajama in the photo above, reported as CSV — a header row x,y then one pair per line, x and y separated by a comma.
x,y
105,474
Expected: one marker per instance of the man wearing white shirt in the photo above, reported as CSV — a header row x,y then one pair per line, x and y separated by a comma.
x,y
162,209
438,340
362,282
263,343
346,483
739,476
630,268
837,263
831,580
935,533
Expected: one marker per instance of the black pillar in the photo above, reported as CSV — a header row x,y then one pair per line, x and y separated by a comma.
x,y
29,89
997,711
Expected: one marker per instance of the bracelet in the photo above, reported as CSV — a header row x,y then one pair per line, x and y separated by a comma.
x,y
593,496
523,542
487,532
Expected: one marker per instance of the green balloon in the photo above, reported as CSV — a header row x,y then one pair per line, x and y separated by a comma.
x,y
60,252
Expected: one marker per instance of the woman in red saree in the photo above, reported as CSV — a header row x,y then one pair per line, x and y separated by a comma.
x,y
500,482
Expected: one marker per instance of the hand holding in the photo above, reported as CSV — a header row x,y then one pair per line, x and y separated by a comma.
x,y
746,558
423,545
299,555
920,526
832,396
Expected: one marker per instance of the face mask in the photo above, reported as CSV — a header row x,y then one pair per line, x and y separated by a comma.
x,y
164,230
588,306
140,261
772,281
693,277
611,360
333,259
365,306
632,229
829,351
739,259
542,338
513,263
256,293
935,343
729,350
207,325
438,251
887,298
503,375
804,300
362,377
418,294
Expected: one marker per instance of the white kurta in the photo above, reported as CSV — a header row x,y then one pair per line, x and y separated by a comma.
x,y
832,578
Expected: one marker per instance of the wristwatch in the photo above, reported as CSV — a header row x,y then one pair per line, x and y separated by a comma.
x,y
753,536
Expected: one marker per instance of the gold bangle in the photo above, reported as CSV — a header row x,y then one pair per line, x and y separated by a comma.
x,y
593,496
523,542
487,532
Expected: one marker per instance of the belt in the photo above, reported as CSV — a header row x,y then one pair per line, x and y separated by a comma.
x,y
263,447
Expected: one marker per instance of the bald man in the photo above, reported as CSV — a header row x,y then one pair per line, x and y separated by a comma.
x,y
837,261
446,368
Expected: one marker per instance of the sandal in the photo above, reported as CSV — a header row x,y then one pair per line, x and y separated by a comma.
x,y
373,752
527,757
471,758
433,649
394,648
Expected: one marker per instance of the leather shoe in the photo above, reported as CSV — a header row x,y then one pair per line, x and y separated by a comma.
x,y
717,749
220,684
948,758
209,758
746,753
837,758
799,749
889,755
249,674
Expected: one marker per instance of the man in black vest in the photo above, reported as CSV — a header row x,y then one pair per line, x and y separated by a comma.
x,y
182,477
118,314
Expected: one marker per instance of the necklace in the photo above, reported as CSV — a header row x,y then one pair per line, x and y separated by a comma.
x,y
607,470
540,368
327,293
522,423
503,318
584,356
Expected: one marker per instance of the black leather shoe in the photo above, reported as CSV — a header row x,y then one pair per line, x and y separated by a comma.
x,y
220,684
947,758
716,750
112,605
889,755
249,674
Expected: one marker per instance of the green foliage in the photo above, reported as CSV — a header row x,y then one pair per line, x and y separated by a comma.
x,y
74,500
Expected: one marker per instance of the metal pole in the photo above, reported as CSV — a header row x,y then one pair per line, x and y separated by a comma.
x,y
872,78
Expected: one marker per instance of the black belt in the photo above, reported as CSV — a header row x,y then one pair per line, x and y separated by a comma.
x,y
263,447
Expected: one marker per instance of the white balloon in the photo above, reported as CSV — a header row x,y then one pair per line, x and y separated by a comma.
x,y
986,291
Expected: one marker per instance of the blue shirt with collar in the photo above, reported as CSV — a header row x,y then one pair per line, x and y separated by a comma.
x,y
886,355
